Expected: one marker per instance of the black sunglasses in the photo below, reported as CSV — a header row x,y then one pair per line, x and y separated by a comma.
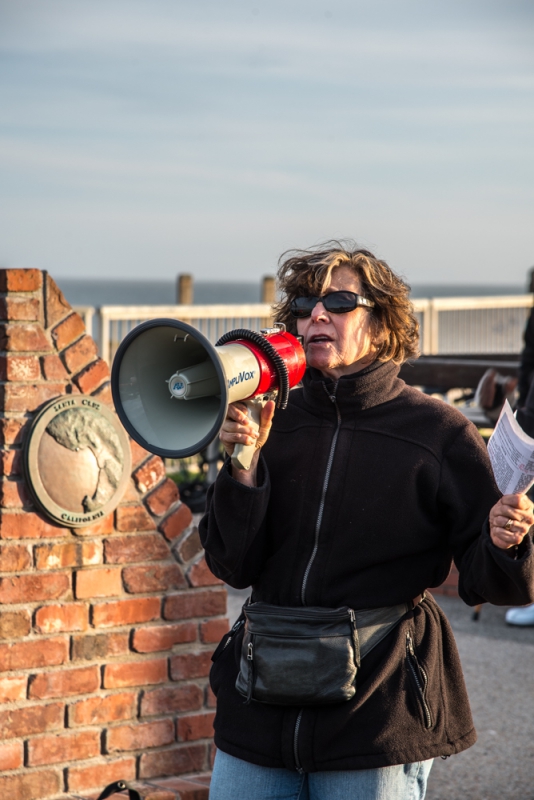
x,y
335,303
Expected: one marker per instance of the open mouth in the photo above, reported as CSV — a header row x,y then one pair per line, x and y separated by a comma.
x,y
319,339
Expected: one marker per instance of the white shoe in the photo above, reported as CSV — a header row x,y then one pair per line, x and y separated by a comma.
x,y
520,616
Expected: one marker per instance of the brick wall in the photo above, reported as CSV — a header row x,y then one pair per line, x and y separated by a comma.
x,y
105,632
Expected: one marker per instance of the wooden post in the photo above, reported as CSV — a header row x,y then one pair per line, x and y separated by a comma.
x,y
268,289
184,289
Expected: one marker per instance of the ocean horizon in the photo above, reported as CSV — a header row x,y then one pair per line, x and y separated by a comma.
x,y
98,292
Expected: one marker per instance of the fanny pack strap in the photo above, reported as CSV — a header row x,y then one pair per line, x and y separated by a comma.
x,y
374,624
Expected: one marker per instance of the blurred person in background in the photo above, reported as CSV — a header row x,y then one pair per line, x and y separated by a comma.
x,y
359,496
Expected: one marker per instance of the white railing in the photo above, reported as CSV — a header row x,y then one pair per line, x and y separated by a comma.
x,y
449,325
473,324
212,320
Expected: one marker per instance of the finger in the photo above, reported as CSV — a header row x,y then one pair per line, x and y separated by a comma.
x,y
516,501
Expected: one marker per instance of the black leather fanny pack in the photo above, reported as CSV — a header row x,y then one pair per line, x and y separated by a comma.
x,y
308,655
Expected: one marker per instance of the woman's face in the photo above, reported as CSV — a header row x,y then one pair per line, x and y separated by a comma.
x,y
338,344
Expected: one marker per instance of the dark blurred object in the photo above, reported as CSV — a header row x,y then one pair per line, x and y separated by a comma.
x,y
530,282
492,392
441,373
194,494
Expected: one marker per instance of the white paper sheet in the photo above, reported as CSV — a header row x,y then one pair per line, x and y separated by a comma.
x,y
511,453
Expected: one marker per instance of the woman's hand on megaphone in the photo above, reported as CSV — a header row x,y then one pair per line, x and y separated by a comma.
x,y
237,428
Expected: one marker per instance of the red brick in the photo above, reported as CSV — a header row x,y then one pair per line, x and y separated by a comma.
x,y
28,526
100,528
140,735
126,612
20,280
21,722
98,582
14,558
27,396
103,394
68,617
213,630
32,588
56,306
153,578
11,756
175,761
133,518
64,683
135,673
10,462
150,792
196,726
23,338
189,547
149,474
207,603
100,710
30,785
176,523
211,700
20,309
14,494
161,499
12,689
78,355
34,654
101,646
67,331
138,453
11,431
175,699
19,368
53,369
57,748
187,788
14,624
142,547
191,665
68,554
163,637
99,775
201,575
92,376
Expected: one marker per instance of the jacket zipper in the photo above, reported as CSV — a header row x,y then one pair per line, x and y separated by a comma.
x,y
315,548
417,670
323,497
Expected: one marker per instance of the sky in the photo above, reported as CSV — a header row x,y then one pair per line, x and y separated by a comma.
x,y
145,138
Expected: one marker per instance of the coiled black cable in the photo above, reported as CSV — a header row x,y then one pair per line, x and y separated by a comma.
x,y
272,354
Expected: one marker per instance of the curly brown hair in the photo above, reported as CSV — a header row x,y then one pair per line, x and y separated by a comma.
x,y
302,272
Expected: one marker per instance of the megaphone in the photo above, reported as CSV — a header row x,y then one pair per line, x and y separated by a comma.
x,y
171,387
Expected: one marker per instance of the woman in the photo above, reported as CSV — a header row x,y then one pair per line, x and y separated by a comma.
x,y
359,495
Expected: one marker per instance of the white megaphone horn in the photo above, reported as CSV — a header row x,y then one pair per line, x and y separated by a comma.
x,y
171,387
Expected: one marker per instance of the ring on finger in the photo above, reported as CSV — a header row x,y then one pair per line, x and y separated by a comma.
x,y
509,525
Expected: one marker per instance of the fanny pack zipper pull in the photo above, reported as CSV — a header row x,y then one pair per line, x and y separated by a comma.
x,y
250,677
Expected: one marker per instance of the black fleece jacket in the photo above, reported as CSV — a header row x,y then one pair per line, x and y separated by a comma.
x,y
409,488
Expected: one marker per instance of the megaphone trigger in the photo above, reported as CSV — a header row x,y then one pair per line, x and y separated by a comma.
x,y
244,453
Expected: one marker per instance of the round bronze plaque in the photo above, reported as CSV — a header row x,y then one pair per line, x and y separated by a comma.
x,y
77,460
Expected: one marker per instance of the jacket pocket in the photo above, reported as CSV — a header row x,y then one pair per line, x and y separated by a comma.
x,y
419,681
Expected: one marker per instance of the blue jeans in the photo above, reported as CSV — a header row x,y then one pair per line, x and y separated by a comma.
x,y
234,779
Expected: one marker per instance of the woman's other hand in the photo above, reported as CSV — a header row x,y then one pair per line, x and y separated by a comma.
x,y
238,429
510,520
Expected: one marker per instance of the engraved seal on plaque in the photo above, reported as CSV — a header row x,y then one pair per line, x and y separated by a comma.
x,y
77,460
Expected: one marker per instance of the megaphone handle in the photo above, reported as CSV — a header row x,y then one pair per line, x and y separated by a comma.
x,y
243,453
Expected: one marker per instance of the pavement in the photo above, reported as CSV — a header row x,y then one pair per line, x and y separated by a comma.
x,y
498,663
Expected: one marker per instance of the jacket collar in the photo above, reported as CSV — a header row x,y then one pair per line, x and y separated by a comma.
x,y
376,384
